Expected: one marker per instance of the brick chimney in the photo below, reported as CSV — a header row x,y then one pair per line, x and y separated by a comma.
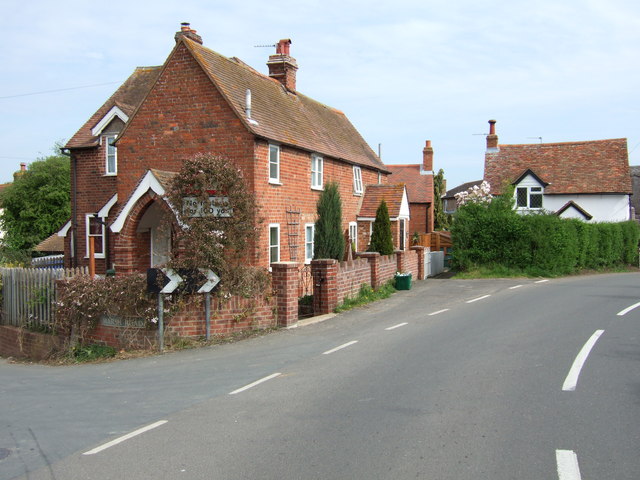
x,y
282,66
492,138
427,159
186,31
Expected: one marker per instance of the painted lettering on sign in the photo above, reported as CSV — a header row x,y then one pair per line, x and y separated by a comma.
x,y
215,207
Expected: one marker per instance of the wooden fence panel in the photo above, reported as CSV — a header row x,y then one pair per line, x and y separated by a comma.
x,y
29,294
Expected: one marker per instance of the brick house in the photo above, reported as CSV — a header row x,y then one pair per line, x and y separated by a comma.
x,y
395,196
419,181
287,145
589,180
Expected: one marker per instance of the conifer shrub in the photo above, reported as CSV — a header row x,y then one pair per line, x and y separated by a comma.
x,y
328,239
381,239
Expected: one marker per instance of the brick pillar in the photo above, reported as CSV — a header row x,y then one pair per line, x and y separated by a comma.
x,y
420,251
401,260
285,277
374,262
325,285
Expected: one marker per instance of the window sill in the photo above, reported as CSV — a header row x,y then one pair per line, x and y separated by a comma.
x,y
110,175
319,189
96,256
356,194
275,182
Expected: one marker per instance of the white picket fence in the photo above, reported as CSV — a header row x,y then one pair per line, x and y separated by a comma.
x,y
29,294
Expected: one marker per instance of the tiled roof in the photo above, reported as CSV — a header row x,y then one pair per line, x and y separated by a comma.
x,y
419,187
374,194
599,166
290,118
54,243
126,98
461,188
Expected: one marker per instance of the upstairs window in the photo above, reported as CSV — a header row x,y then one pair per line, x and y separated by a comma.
x,y
274,164
111,167
316,171
529,198
357,181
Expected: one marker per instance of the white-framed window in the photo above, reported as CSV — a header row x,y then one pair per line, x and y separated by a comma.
x,y
274,242
529,198
357,181
403,233
317,165
379,178
111,155
353,234
95,230
274,163
309,232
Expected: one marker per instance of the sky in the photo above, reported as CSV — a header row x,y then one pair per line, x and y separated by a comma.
x,y
403,72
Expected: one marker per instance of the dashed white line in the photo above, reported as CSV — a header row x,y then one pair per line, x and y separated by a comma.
x,y
628,309
515,286
345,345
125,437
572,378
257,382
479,298
397,326
439,311
542,281
568,468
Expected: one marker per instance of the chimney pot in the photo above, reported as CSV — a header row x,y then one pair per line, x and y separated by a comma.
x,y
187,31
282,66
427,159
492,138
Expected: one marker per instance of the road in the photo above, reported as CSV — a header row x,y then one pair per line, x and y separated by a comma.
x,y
499,379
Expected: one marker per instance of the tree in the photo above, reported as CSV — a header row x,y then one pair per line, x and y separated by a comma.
x,y
37,203
328,239
440,220
381,239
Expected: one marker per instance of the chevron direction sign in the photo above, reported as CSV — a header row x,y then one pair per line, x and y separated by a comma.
x,y
166,280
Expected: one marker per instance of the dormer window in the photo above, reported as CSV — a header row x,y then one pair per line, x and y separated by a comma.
x,y
111,165
529,198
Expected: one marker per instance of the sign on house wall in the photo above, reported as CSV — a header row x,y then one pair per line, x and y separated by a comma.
x,y
216,207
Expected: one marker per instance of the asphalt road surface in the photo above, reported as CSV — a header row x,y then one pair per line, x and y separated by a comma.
x,y
482,379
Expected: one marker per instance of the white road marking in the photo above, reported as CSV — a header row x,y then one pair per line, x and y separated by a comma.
x,y
439,311
397,326
542,281
628,309
125,437
479,298
348,344
572,378
257,382
568,468
515,286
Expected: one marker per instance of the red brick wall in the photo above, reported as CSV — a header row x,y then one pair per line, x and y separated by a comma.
x,y
418,221
351,276
93,190
19,343
388,268
295,193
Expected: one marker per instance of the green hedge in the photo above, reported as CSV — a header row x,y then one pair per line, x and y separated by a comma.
x,y
538,244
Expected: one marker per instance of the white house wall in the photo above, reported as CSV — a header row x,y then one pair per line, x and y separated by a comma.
x,y
604,208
